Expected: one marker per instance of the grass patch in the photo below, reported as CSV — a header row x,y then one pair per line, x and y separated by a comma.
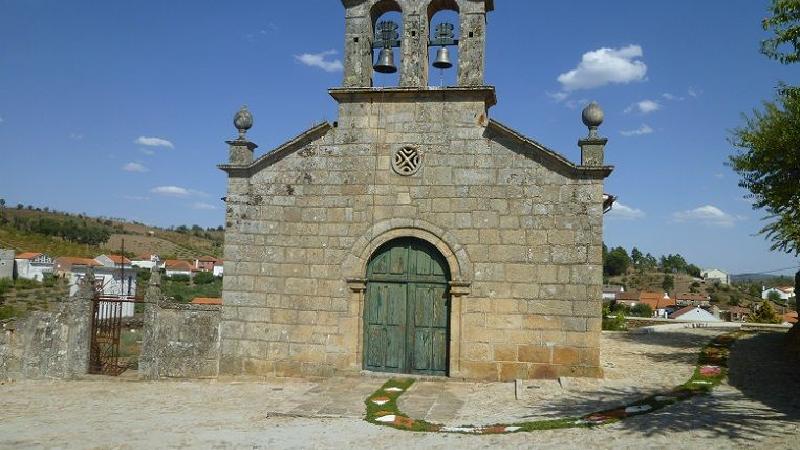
x,y
710,371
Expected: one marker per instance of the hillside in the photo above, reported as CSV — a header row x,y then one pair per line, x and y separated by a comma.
x,y
652,282
62,234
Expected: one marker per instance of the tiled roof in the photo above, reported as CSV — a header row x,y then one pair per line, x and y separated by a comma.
x,y
28,255
683,311
118,259
65,262
207,259
178,264
207,301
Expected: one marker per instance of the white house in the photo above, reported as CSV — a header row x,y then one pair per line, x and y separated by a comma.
x,y
107,276
785,293
610,291
147,261
716,275
33,266
694,314
218,268
175,267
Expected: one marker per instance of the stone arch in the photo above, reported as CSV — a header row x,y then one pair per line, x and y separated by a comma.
x,y
461,271
382,7
434,6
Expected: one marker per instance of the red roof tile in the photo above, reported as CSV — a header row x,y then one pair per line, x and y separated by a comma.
x,y
207,301
28,255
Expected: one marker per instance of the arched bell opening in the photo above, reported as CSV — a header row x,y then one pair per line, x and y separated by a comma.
x,y
407,309
444,30
387,32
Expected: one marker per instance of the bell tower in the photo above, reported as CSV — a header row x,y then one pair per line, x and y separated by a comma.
x,y
371,44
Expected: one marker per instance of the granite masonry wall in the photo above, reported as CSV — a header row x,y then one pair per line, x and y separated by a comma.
x,y
520,226
178,340
49,344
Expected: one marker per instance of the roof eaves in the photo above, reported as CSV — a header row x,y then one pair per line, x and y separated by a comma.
x,y
557,160
277,153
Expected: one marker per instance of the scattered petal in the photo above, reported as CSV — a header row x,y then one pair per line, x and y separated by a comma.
x,y
386,419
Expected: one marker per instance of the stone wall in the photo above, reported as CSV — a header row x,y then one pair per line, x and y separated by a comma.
x,y
6,264
179,340
793,341
49,344
520,226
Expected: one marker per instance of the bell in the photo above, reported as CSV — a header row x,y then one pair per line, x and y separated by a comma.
x,y
443,59
385,63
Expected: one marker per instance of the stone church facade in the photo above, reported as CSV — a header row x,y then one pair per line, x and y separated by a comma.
x,y
415,234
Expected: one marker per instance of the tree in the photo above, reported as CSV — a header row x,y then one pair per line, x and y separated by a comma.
x,y
642,310
617,262
669,283
774,297
2,203
636,256
764,313
785,23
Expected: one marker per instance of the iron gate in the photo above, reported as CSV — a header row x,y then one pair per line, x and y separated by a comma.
x,y
108,312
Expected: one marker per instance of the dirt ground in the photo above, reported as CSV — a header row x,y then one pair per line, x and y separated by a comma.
x,y
759,407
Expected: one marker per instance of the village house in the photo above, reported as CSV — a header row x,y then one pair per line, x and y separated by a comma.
x,y
219,268
205,263
74,269
415,234
660,303
33,266
736,314
715,276
610,291
147,261
179,267
784,292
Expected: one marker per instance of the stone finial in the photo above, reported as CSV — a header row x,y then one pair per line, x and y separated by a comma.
x,y
593,145
241,150
592,117
243,121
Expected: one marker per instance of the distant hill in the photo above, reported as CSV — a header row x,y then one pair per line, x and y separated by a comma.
x,y
766,279
63,234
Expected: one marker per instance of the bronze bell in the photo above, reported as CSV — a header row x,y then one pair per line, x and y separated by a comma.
x,y
385,63
443,59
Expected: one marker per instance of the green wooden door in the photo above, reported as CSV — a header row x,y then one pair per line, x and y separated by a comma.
x,y
407,311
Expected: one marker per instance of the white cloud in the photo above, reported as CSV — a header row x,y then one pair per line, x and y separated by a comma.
x,y
135,197
694,93
625,212
154,142
321,60
2,120
644,107
173,191
203,206
76,136
642,130
558,97
147,151
605,66
672,97
134,167
707,215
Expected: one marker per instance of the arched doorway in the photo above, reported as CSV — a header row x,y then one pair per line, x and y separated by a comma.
x,y
407,309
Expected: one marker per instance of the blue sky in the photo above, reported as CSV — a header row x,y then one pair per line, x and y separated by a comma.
x,y
122,108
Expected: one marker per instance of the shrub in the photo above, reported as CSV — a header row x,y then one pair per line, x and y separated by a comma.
x,y
180,278
204,278
642,310
615,323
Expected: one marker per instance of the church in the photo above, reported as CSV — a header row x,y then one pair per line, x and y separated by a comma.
x,y
415,234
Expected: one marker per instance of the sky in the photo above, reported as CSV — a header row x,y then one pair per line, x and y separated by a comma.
x,y
121,109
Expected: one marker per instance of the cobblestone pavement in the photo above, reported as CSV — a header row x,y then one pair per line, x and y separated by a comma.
x,y
758,408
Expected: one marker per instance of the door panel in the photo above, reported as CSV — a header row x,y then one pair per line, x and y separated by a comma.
x,y
406,316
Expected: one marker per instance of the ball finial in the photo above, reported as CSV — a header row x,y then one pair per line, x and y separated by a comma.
x,y
243,121
592,117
